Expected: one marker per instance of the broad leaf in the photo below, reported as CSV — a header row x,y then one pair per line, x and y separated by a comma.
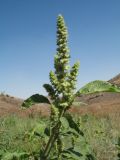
x,y
71,154
64,122
50,90
39,129
73,124
98,86
36,98
84,148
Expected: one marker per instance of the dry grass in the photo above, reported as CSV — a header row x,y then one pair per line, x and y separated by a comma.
x,y
100,104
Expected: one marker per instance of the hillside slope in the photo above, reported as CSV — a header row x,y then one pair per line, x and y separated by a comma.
x,y
100,103
115,80
12,106
106,99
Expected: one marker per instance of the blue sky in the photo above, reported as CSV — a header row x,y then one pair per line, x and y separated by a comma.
x,y
28,41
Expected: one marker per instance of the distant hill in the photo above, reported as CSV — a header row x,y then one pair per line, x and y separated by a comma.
x,y
9,104
106,100
115,80
12,106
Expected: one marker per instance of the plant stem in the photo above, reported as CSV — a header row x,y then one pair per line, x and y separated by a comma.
x,y
53,137
55,132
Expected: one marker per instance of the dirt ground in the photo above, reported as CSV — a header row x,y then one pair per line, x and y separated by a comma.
x,y
97,104
12,106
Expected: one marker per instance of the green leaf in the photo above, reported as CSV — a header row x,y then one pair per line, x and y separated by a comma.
x,y
70,132
64,122
15,156
73,124
84,148
39,129
70,153
98,86
36,98
47,131
50,90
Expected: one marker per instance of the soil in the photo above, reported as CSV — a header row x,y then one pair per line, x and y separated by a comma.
x,y
97,104
115,80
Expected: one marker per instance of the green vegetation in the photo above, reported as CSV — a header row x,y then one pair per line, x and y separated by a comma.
x,y
62,94
19,136
61,136
16,137
98,86
118,147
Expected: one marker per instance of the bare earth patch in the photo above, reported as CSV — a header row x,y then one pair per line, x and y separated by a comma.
x,y
97,104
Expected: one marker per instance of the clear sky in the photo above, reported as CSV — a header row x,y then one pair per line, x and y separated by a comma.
x,y
28,41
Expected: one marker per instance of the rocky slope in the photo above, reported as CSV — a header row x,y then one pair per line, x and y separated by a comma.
x,y
115,80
